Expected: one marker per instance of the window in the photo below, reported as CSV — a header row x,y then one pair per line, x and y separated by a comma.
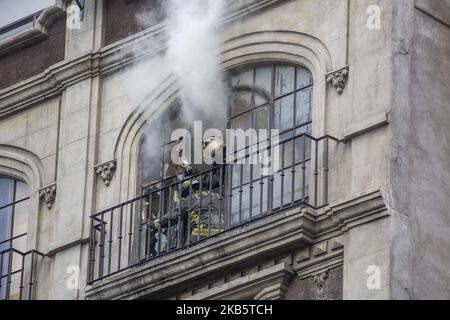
x,y
20,15
14,201
272,97
155,165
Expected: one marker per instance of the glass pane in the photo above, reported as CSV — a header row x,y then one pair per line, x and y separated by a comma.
x,y
235,207
284,80
246,202
260,100
303,107
304,77
276,200
6,191
21,190
5,226
263,78
288,153
243,78
20,218
150,158
287,190
236,175
257,200
242,102
302,149
284,113
262,118
299,181
243,121
246,171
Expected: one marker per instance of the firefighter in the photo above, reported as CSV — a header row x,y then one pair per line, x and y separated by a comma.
x,y
196,207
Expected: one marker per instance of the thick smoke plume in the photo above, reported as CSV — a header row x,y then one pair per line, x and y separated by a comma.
x,y
192,56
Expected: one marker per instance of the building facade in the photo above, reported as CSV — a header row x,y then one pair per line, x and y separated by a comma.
x,y
358,208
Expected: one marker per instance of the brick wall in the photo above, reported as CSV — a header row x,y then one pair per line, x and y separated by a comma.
x,y
123,18
35,58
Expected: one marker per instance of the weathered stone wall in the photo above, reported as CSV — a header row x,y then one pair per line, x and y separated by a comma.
x,y
420,166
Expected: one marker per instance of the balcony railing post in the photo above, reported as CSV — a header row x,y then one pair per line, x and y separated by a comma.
x,y
21,278
130,234
148,241
8,278
30,283
316,173
101,246
326,170
110,241
90,275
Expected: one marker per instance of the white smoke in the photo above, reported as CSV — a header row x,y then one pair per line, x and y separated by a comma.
x,y
192,56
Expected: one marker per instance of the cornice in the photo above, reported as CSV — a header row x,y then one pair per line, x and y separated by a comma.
x,y
291,230
37,33
102,61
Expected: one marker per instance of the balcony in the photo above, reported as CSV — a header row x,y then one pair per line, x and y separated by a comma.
x,y
19,26
178,214
17,274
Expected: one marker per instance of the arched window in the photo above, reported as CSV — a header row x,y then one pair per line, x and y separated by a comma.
x,y
274,96
14,201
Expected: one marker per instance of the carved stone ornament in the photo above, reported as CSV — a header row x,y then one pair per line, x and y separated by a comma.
x,y
338,79
320,279
48,194
106,171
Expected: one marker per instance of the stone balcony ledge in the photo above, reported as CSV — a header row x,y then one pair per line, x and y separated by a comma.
x,y
271,236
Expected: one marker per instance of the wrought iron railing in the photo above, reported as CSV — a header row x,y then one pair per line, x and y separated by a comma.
x,y
176,214
17,274
19,25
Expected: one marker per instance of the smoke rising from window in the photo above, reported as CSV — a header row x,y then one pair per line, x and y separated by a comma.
x,y
193,54
192,57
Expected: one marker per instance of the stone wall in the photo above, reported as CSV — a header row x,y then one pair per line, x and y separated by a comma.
x,y
420,166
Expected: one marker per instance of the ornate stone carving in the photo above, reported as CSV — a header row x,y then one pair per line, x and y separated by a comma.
x,y
48,194
319,279
338,79
106,171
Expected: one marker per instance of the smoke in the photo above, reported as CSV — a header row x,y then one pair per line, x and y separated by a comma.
x,y
192,56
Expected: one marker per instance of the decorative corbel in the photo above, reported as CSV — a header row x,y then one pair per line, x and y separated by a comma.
x,y
106,171
338,79
48,194
319,279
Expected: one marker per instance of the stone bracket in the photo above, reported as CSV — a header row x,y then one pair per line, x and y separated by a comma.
x,y
106,171
48,194
319,279
338,79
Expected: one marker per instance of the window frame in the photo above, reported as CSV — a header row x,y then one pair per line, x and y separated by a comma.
x,y
11,221
271,96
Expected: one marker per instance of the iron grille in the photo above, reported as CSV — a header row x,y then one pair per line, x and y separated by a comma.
x,y
176,214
